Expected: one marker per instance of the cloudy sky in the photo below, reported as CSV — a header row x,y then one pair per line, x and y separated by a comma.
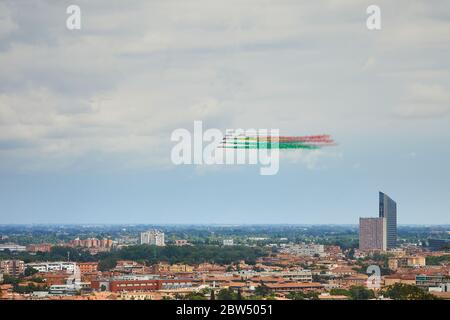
x,y
86,115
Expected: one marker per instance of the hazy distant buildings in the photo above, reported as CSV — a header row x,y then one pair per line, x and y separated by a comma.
x,y
228,242
92,243
181,242
388,210
306,250
438,244
12,247
41,247
380,233
153,237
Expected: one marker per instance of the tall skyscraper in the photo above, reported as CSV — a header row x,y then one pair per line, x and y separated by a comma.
x,y
372,234
380,233
388,210
153,237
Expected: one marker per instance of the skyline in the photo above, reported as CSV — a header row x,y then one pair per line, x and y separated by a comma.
x,y
86,115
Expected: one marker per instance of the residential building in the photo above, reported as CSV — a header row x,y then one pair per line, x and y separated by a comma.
x,y
228,242
139,283
171,268
415,261
153,237
427,281
68,267
305,250
371,234
92,243
399,278
42,247
87,267
12,267
181,243
12,247
294,286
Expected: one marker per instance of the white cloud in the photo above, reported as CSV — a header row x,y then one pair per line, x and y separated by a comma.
x,y
116,89
425,101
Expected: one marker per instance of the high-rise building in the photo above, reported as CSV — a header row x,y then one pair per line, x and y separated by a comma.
x,y
388,210
153,237
372,233
380,233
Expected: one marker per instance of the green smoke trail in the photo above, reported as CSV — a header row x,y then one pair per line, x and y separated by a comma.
x,y
273,145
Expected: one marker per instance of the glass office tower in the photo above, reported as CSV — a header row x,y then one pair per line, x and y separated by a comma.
x,y
388,210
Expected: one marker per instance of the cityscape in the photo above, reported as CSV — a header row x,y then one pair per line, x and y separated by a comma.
x,y
224,158
201,262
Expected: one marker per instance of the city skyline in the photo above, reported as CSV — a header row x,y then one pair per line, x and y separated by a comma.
x,y
86,115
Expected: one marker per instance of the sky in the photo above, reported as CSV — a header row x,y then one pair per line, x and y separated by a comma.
x,y
86,115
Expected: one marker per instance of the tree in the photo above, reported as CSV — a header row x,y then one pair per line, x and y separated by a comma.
x,y
262,290
298,295
195,296
213,295
340,292
435,261
29,271
107,264
402,291
226,294
239,294
361,293
355,293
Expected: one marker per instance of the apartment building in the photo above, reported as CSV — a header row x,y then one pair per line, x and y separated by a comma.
x,y
153,237
12,267
68,267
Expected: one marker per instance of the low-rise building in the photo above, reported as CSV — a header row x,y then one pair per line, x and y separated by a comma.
x,y
12,247
171,268
87,267
427,281
68,267
411,261
42,247
228,242
139,283
294,286
399,278
307,250
181,242
129,266
92,243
